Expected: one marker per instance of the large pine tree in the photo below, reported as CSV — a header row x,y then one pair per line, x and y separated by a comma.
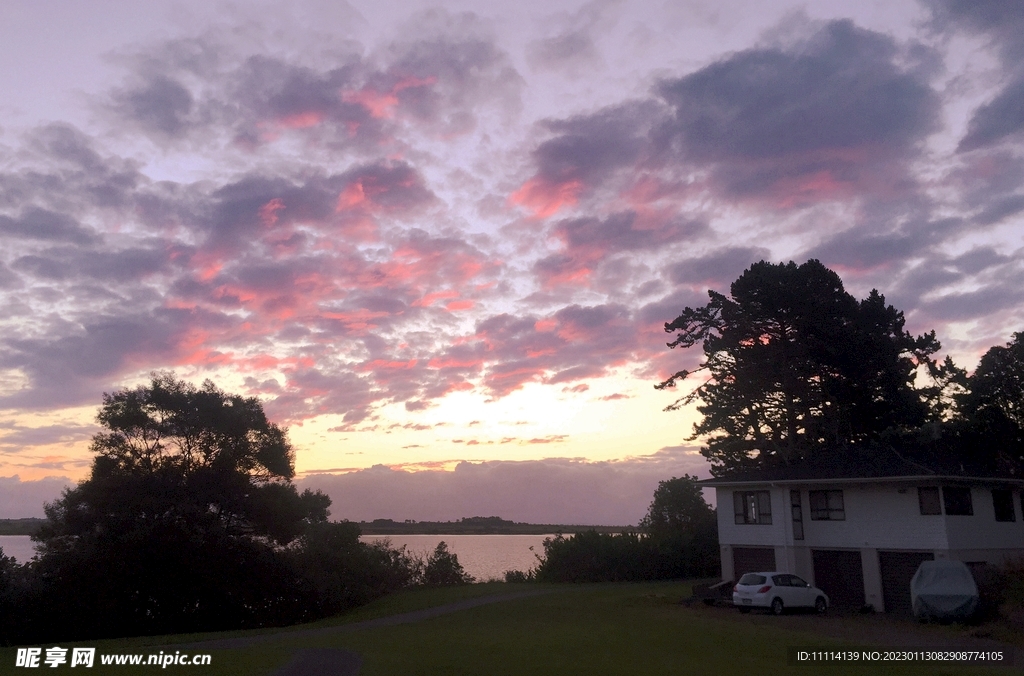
x,y
797,368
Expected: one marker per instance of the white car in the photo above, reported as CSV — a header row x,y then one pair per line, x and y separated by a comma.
x,y
777,592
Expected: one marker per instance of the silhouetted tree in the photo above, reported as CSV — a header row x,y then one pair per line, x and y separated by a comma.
x,y
10,577
678,506
989,427
179,524
797,367
683,528
442,568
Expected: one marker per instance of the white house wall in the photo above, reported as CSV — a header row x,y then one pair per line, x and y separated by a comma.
x,y
982,531
878,517
766,535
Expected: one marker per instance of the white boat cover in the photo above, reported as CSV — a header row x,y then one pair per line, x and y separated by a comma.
x,y
943,590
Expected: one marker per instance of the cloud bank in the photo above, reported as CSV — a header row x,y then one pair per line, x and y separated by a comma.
x,y
357,230
554,490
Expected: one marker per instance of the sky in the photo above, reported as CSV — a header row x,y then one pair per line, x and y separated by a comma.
x,y
440,241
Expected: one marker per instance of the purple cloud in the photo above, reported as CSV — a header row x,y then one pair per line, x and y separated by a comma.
x,y
538,491
25,499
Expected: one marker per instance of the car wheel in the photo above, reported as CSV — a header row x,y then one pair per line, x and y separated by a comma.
x,y
777,607
744,609
820,606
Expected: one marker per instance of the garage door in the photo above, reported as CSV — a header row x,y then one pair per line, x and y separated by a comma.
x,y
897,568
752,560
840,575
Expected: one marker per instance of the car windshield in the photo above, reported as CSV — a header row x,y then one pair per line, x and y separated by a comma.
x,y
750,578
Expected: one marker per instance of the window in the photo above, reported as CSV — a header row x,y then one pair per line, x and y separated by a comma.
x,y
1002,501
798,515
827,506
957,501
752,507
928,499
751,578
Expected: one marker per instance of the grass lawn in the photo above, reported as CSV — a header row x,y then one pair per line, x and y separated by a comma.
x,y
585,629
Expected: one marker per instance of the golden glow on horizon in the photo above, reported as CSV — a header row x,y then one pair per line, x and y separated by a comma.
x,y
618,417
538,421
66,452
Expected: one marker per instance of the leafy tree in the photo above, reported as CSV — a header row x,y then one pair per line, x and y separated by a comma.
x,y
678,506
180,523
683,528
12,585
443,568
990,424
797,367
998,382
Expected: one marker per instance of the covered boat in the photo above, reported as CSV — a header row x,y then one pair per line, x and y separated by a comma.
x,y
943,590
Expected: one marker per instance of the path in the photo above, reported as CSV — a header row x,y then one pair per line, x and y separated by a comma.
x,y
337,662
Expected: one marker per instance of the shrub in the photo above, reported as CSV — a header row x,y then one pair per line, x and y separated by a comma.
x,y
12,587
605,557
515,576
335,571
598,557
991,581
443,568
684,529
1011,596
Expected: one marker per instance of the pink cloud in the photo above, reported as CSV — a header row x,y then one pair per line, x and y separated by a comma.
x,y
309,118
428,299
545,199
573,343
588,242
456,305
381,105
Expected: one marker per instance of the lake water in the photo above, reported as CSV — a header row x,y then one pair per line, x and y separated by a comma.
x,y
483,556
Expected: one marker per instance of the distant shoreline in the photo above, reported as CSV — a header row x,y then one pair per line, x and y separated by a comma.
x,y
20,526
476,526
471,526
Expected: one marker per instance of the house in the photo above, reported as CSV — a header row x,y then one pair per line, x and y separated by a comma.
x,y
860,536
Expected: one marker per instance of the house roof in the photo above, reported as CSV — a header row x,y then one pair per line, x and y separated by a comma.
x,y
722,482
888,467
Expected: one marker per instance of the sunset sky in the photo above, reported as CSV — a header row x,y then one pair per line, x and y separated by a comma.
x,y
440,241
